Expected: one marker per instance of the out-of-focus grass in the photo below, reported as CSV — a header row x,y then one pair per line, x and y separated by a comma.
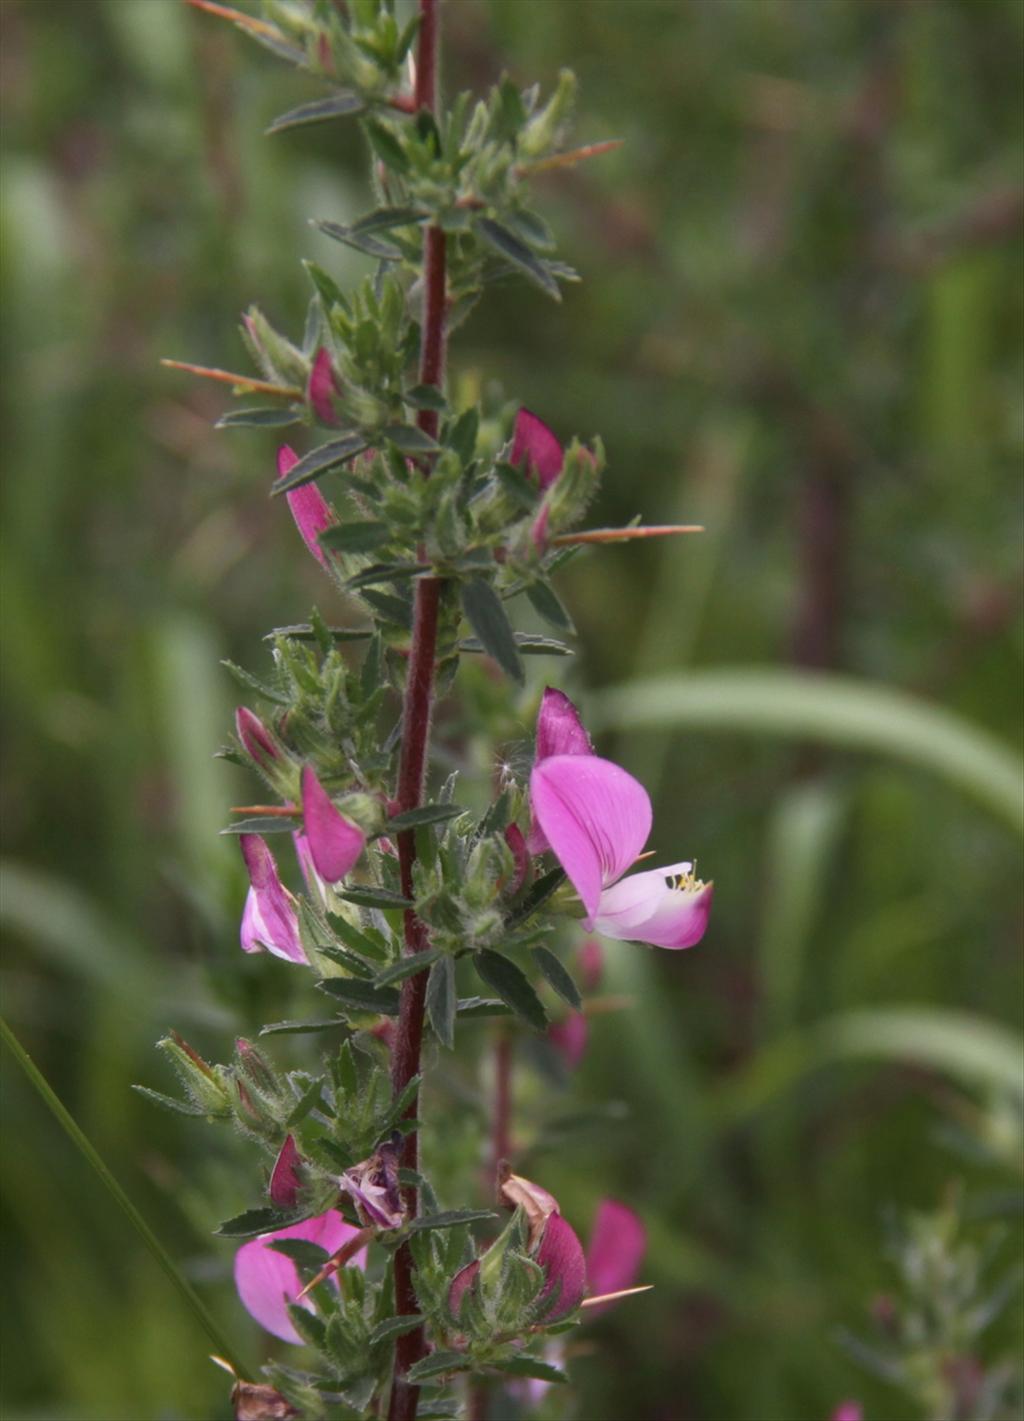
x,y
800,324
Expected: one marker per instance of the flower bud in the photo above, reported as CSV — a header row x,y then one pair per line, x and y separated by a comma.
x,y
335,843
322,388
535,449
285,1179
541,133
312,513
256,739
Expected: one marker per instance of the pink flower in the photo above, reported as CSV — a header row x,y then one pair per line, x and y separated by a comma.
x,y
270,921
256,739
311,511
285,1180
848,1411
322,387
596,817
559,732
267,1281
335,843
618,1242
535,446
569,1038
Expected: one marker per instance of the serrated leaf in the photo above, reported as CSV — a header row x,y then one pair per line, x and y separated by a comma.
x,y
538,892
451,1219
558,976
361,996
362,241
167,1102
408,967
298,1028
258,419
318,461
532,1367
508,245
410,439
258,1221
337,105
546,603
481,1006
424,814
425,397
512,986
393,1327
489,621
441,1001
355,536
436,1364
264,824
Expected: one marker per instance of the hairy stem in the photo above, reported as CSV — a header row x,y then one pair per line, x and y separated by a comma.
x,y
419,694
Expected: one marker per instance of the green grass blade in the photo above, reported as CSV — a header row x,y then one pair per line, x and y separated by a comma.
x,y
188,1294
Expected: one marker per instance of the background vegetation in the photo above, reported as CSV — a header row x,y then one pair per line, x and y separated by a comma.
x,y
800,325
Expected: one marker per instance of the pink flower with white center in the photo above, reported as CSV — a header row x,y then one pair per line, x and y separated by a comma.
x,y
312,513
270,921
335,843
322,387
268,1282
596,818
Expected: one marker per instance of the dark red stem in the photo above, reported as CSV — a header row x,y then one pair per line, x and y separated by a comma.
x,y
416,713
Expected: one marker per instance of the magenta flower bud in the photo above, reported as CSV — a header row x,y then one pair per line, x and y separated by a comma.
x,y
270,922
285,1180
561,1257
848,1411
311,511
536,449
335,843
255,737
569,1038
322,388
267,1281
559,732
516,842
591,964
618,1242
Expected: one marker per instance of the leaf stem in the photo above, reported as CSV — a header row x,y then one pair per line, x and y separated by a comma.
x,y
419,694
81,1141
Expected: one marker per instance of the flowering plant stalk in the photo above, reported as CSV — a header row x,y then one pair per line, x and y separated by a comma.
x,y
424,919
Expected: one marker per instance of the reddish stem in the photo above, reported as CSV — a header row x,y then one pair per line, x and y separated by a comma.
x,y
419,694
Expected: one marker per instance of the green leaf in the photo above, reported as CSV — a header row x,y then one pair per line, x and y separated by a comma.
x,y
361,996
393,1327
488,618
336,105
258,419
532,1367
355,536
519,488
253,683
318,461
408,967
384,218
436,1364
512,986
451,1219
386,146
546,603
361,241
298,1028
307,1102
303,631
441,1001
167,1102
258,1221
385,572
264,824
558,976
461,437
425,397
508,245
527,644
424,814
481,1006
410,439
368,944
327,288
392,609
301,1252
538,892
836,710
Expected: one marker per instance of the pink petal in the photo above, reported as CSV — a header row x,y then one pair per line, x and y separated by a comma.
x,y
460,1285
335,843
311,511
848,1411
569,1037
617,1246
267,1281
254,735
595,816
285,1181
269,920
536,446
561,1256
559,728
321,388
649,907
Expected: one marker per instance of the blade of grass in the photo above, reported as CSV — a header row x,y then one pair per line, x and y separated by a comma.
x,y
188,1294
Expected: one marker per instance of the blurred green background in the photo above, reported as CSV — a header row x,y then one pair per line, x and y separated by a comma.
x,y
800,325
